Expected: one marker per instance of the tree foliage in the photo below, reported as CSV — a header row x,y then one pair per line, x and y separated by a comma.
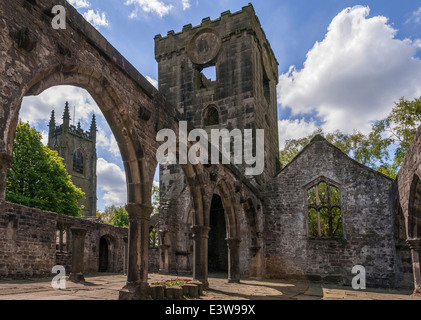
x,y
38,177
398,129
118,216
384,148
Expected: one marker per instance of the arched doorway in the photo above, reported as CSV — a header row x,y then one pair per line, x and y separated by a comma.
x,y
103,255
217,244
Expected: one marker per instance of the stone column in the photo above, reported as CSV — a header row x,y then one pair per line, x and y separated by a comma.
x,y
415,245
163,253
125,258
5,163
137,274
200,254
78,250
233,260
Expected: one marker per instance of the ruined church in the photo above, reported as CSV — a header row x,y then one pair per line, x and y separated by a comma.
x,y
315,218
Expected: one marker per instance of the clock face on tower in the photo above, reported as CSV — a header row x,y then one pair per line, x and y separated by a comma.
x,y
204,47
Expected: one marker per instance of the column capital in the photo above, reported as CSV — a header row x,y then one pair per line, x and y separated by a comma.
x,y
414,243
139,211
78,231
200,231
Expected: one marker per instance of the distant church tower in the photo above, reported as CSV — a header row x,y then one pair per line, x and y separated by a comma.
x,y
78,149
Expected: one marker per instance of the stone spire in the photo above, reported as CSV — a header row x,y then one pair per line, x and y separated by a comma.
x,y
66,116
52,123
93,127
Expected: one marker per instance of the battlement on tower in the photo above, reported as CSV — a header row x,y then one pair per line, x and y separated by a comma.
x,y
226,26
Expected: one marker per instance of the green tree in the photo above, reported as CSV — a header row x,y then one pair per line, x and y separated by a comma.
x,y
105,215
398,129
370,150
38,177
383,149
155,199
120,217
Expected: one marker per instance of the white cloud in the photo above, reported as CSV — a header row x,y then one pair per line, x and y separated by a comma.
x,y
112,180
97,19
186,4
35,109
354,75
415,17
152,81
44,139
107,142
294,129
154,6
79,3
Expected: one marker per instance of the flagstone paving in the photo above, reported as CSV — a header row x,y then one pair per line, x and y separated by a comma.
x,y
107,286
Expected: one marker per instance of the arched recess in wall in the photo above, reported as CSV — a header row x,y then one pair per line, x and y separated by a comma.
x,y
106,253
137,174
85,141
210,117
414,209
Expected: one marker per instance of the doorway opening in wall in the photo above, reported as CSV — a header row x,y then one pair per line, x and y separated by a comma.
x,y
217,245
103,255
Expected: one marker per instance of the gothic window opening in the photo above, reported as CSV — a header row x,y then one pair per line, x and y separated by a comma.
x,y
78,161
211,117
61,239
266,87
206,77
153,238
324,211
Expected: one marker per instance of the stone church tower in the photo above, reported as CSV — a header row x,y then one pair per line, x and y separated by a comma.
x,y
78,149
221,74
239,94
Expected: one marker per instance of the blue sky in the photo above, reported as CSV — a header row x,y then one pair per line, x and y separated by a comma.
x,y
342,64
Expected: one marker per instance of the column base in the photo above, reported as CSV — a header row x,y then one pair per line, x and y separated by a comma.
x,y
135,291
205,283
233,281
76,277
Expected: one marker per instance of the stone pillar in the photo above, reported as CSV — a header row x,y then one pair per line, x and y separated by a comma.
x,y
78,250
5,163
125,257
137,274
415,245
233,260
163,253
200,254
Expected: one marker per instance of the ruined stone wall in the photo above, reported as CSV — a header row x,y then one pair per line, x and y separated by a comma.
x,y
406,199
28,242
367,216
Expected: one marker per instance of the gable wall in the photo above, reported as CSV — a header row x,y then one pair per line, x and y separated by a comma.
x,y
366,214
